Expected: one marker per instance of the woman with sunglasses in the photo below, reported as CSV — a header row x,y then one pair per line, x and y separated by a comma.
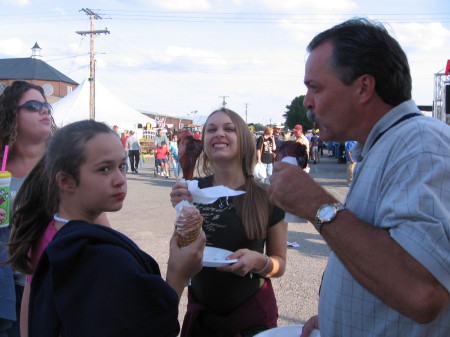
x,y
26,123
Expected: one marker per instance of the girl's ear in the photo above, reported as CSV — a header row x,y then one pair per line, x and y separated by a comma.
x,y
65,181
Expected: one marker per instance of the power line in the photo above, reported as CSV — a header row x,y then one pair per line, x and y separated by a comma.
x,y
227,17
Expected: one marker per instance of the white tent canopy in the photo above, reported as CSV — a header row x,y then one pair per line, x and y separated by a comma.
x,y
108,109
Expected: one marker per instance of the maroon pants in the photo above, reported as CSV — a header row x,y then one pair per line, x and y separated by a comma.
x,y
259,310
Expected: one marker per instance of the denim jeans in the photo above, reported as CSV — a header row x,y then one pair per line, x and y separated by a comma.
x,y
7,289
176,168
269,169
127,163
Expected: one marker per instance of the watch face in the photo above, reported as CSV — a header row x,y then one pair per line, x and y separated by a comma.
x,y
327,212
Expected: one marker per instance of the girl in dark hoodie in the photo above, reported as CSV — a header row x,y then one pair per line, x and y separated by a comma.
x,y
90,280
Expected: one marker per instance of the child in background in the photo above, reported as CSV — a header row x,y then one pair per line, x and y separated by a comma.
x,y
162,159
90,280
173,148
123,139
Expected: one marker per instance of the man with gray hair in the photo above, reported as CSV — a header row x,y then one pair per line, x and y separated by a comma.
x,y
389,270
160,137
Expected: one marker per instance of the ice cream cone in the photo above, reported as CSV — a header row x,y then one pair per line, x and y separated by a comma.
x,y
188,225
186,238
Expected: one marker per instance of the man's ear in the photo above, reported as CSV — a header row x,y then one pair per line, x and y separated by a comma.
x,y
365,87
65,181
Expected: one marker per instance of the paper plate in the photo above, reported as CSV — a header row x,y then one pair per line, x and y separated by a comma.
x,y
215,257
287,331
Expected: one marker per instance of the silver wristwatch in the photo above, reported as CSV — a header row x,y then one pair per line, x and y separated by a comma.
x,y
326,213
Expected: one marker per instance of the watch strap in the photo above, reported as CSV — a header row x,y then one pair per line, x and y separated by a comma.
x,y
318,222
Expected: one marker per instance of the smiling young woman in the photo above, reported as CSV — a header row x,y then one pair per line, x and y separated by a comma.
x,y
247,225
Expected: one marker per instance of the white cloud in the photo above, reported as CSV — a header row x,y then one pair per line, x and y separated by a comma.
x,y
80,61
59,10
14,47
73,47
125,61
197,56
101,63
183,4
16,3
427,49
303,29
173,58
422,37
317,6
188,65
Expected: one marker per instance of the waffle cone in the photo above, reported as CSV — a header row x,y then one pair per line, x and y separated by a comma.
x,y
185,239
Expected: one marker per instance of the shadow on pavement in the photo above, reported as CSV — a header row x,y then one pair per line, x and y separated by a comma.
x,y
291,320
310,244
147,176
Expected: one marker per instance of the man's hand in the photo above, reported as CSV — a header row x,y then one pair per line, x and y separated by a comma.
x,y
310,325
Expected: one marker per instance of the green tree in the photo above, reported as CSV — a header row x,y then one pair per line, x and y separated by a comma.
x,y
259,127
296,114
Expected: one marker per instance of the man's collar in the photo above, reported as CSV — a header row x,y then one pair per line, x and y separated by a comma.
x,y
384,122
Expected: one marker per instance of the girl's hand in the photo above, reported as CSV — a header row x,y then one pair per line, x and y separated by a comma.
x,y
180,192
248,261
185,262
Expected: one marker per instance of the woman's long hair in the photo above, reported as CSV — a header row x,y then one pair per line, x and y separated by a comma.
x,y
38,198
252,207
9,113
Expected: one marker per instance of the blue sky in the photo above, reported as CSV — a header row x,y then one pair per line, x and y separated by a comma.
x,y
176,57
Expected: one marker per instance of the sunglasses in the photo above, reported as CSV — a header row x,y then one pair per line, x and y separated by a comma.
x,y
36,106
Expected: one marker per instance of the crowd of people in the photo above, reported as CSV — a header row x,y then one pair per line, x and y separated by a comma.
x,y
388,273
267,146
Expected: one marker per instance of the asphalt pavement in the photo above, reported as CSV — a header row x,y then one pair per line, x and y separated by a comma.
x,y
147,218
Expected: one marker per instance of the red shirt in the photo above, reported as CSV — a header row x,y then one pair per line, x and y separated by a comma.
x,y
124,141
162,152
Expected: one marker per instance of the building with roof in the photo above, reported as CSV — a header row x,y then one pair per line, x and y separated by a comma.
x,y
168,122
33,69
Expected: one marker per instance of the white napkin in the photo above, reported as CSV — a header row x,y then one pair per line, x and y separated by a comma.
x,y
289,217
179,210
209,194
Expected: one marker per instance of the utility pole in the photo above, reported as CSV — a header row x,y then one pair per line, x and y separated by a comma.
x,y
193,113
223,102
93,16
246,104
